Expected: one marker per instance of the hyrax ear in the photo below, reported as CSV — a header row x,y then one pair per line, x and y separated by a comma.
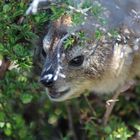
x,y
47,41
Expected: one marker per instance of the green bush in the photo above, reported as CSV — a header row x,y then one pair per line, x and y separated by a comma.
x,y
25,111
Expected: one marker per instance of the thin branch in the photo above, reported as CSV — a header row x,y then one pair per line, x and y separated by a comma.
x,y
110,103
71,127
90,107
109,106
4,65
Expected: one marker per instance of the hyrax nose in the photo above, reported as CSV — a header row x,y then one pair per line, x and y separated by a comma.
x,y
47,80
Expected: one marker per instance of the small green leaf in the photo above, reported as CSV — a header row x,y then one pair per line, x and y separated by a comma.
x,y
53,119
8,125
2,116
77,18
98,34
1,47
7,131
108,129
6,8
2,124
137,126
68,42
26,98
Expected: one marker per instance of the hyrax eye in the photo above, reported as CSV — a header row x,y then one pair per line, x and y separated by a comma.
x,y
77,61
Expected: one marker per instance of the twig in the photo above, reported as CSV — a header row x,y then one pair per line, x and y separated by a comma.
x,y
82,11
71,127
109,106
4,65
21,20
82,123
110,103
90,106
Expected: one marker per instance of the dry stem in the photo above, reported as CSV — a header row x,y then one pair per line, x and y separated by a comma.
x,y
109,106
70,119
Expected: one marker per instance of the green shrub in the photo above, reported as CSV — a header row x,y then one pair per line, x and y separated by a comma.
x,y
25,111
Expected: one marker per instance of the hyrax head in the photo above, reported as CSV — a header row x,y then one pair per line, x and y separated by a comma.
x,y
81,57
75,59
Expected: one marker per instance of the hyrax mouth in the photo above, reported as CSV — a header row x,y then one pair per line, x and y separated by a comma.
x,y
53,94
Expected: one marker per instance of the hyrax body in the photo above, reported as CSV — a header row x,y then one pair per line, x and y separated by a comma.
x,y
100,53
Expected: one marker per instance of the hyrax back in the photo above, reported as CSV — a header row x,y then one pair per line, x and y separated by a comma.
x,y
100,53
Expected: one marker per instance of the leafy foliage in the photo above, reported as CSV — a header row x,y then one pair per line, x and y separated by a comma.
x,y
25,111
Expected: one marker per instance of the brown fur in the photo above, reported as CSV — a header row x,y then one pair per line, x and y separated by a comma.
x,y
115,60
